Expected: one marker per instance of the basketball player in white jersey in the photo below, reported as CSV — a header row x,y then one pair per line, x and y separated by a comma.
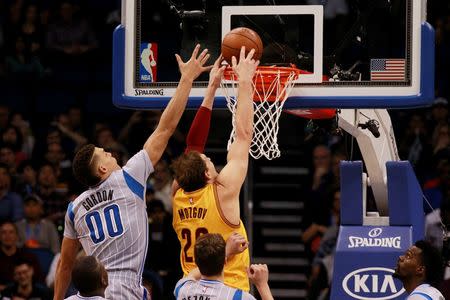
x,y
418,269
206,281
109,220
90,279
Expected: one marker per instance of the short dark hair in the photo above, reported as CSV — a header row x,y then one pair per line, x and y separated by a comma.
x,y
83,166
189,171
87,275
432,261
209,253
23,261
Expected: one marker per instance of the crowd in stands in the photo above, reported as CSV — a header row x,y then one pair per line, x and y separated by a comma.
x,y
55,77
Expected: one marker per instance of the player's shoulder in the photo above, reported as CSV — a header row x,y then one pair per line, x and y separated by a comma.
x,y
426,291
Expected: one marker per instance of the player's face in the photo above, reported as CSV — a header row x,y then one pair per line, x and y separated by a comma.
x,y
105,159
210,168
408,263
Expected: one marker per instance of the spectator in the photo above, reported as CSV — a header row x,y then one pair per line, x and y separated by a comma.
x,y
90,278
439,112
441,140
23,125
23,286
55,204
11,207
27,184
12,137
4,116
104,138
31,30
434,187
73,137
35,232
165,248
161,181
414,145
322,264
419,268
56,156
317,207
8,158
75,120
22,65
70,36
10,254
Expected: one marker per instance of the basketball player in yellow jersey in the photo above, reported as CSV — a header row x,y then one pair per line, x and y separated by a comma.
x,y
206,201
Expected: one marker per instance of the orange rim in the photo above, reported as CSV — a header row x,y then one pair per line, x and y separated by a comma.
x,y
264,77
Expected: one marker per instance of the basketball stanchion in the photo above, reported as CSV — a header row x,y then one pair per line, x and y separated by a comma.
x,y
272,86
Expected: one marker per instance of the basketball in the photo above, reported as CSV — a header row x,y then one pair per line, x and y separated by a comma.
x,y
238,37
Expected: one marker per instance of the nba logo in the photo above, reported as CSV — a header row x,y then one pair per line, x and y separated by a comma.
x,y
149,57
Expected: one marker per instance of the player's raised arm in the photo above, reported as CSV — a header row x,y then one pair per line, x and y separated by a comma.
x,y
198,132
190,70
233,174
69,251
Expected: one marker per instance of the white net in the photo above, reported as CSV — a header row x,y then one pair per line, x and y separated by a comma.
x,y
272,87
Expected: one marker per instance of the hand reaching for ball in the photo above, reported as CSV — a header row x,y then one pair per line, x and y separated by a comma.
x,y
246,67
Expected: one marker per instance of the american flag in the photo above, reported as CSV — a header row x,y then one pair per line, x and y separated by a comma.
x,y
387,69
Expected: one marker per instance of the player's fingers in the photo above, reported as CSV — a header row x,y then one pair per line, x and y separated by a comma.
x,y
233,61
195,52
250,54
242,54
205,59
202,55
221,70
178,58
207,68
217,61
257,63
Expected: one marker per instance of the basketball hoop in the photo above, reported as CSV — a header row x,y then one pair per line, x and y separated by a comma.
x,y
273,85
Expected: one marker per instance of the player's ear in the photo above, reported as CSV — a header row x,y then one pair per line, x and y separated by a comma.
x,y
102,169
207,175
421,270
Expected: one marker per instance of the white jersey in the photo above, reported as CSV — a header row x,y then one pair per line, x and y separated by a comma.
x,y
188,288
110,221
425,292
79,297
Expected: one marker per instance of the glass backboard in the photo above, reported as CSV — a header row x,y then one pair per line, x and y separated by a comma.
x,y
377,53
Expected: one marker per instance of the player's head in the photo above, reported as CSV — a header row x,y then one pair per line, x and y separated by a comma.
x,y
209,254
421,262
193,170
89,276
92,164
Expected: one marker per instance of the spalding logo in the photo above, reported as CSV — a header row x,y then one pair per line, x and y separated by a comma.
x,y
372,283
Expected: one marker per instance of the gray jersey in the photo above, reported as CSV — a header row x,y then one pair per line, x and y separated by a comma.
x,y
203,289
110,221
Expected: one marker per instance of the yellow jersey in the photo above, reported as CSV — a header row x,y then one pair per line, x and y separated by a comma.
x,y
198,212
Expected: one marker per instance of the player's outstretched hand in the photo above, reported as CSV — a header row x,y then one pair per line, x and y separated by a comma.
x,y
236,244
246,67
195,65
258,274
216,73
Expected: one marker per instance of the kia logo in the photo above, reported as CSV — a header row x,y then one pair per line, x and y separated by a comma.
x,y
375,232
372,283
